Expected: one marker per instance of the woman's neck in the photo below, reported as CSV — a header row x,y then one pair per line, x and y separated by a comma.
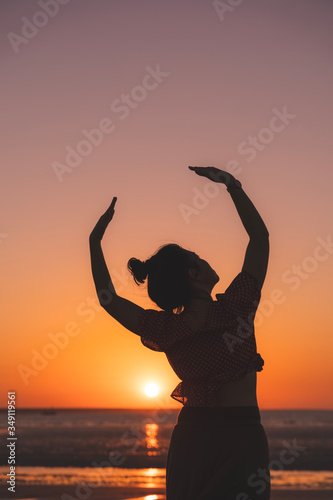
x,y
198,301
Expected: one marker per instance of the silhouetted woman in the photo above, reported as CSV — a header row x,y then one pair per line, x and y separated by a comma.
x,y
218,448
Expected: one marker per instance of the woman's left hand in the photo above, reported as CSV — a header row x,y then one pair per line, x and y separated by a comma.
x,y
98,232
214,174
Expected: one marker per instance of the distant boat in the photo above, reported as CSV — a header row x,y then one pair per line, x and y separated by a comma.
x,y
49,411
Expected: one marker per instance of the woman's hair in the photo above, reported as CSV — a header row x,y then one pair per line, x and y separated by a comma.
x,y
167,272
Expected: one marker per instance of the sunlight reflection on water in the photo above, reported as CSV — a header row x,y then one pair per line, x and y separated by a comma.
x,y
151,439
150,477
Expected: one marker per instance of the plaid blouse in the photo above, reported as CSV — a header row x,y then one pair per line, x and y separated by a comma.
x,y
224,349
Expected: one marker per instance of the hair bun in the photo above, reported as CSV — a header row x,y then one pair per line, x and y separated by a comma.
x,y
138,269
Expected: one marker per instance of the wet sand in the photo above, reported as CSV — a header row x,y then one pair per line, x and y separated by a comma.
x,y
47,492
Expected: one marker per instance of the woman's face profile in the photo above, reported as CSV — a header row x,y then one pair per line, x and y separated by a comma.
x,y
204,272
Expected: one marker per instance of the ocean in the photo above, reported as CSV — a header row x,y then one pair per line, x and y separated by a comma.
x,y
129,447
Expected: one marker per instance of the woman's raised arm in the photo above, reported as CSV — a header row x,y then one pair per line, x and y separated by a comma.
x,y
102,279
122,310
252,222
257,252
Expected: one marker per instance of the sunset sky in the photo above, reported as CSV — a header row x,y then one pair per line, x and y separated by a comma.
x,y
116,98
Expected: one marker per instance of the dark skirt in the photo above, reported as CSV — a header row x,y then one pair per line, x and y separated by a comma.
x,y
218,454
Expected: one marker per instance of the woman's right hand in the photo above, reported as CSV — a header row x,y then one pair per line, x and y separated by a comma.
x,y
214,174
98,232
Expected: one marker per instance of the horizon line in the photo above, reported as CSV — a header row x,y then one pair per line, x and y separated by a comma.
x,y
147,408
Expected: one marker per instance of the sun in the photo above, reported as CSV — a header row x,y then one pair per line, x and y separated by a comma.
x,y
151,390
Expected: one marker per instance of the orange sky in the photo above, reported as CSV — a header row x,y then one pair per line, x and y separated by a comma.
x,y
168,85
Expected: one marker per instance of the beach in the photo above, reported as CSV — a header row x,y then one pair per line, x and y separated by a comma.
x,y
41,492
68,454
